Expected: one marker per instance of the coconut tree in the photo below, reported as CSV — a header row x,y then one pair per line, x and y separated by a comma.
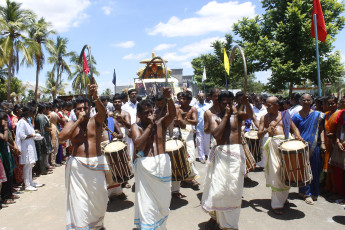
x,y
51,86
58,58
14,23
78,76
40,32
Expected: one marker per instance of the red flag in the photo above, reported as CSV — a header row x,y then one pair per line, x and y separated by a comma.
x,y
85,65
321,26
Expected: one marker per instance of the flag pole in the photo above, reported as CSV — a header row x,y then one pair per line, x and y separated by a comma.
x,y
226,81
317,56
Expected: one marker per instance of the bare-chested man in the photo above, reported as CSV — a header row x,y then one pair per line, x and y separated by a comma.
x,y
226,167
86,188
152,169
187,116
277,125
210,116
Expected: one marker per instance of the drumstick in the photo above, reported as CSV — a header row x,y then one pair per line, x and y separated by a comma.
x,y
280,119
107,128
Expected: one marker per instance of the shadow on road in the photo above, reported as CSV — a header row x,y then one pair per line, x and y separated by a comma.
x,y
339,219
249,183
264,205
202,226
119,205
177,203
289,214
199,195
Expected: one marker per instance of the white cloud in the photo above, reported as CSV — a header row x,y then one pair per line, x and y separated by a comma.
x,y
125,45
63,14
164,47
135,56
213,17
191,51
106,72
107,10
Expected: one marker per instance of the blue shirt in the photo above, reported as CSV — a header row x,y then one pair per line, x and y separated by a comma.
x,y
201,110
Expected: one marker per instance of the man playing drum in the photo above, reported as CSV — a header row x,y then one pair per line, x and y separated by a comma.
x,y
122,117
223,185
310,123
187,116
152,169
86,188
277,125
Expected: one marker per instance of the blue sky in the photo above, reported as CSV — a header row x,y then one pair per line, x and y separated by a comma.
x,y
121,33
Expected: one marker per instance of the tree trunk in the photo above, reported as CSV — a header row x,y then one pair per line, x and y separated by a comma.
x,y
37,79
57,82
9,78
290,88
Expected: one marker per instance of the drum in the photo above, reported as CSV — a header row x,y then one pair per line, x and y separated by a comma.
x,y
253,142
118,160
250,161
180,166
296,170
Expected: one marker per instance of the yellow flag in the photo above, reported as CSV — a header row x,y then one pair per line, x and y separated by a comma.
x,y
226,62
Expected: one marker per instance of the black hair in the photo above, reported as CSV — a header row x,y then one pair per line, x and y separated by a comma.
x,y
102,98
186,95
139,98
124,95
80,100
179,94
331,97
16,108
3,115
227,94
151,98
26,111
146,103
40,107
214,90
69,104
117,97
159,97
296,96
131,91
239,94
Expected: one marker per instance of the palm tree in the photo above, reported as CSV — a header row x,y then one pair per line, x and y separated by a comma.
x,y
52,87
13,23
58,56
78,76
40,32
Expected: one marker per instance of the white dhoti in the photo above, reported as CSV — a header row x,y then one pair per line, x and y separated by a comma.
x,y
223,186
152,191
273,170
188,136
86,192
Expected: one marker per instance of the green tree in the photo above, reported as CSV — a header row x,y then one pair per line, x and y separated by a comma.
x,y
106,92
17,89
14,22
215,70
40,32
280,41
53,87
78,76
58,59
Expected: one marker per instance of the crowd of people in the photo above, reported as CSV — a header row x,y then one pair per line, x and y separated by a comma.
x,y
37,137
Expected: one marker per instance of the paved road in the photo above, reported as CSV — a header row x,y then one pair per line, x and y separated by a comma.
x,y
45,209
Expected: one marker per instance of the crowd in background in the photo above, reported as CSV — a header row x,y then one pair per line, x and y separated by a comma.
x,y
29,145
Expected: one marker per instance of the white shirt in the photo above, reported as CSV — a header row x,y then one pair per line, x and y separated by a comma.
x,y
72,116
131,108
26,145
295,109
201,109
259,113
